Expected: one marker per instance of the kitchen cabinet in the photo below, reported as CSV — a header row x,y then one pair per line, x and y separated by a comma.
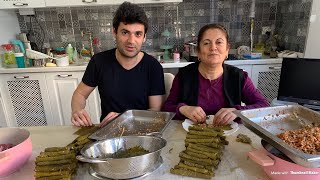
x,y
17,4
156,1
266,78
61,86
25,99
57,3
40,99
3,122
63,3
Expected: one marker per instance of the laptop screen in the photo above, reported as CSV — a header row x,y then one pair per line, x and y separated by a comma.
x,y
300,81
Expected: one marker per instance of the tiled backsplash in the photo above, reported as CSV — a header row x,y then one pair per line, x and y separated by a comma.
x,y
56,27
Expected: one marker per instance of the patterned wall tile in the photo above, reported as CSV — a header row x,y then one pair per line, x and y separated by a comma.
x,y
63,25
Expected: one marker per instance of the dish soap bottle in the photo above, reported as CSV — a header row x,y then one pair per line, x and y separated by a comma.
x,y
69,50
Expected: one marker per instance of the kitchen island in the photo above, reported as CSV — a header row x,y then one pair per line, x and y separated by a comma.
x,y
234,165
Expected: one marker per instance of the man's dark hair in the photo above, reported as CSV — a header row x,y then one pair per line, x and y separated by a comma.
x,y
129,13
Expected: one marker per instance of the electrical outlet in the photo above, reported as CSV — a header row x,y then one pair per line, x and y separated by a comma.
x,y
266,29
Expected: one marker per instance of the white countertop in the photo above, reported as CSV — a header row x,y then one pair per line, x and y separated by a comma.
x,y
166,64
234,163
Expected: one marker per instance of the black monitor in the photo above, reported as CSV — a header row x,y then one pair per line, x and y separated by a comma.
x,y
300,81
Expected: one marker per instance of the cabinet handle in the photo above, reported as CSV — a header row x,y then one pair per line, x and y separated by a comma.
x,y
89,1
275,67
20,4
64,75
21,77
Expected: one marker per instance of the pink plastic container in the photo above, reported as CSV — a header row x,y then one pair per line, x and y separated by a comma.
x,y
14,158
279,169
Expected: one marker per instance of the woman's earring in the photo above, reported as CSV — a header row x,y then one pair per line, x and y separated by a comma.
x,y
199,59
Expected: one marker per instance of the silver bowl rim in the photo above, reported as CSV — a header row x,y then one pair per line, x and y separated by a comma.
x,y
87,146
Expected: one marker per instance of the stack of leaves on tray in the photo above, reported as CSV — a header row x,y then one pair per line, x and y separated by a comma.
x,y
204,145
60,162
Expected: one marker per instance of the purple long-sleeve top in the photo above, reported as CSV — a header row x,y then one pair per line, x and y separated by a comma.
x,y
211,96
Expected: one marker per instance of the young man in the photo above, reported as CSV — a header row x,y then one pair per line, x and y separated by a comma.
x,y
126,77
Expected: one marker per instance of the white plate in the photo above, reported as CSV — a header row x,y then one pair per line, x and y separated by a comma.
x,y
187,122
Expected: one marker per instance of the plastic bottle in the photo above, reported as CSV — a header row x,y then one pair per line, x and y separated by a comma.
x,y
8,58
176,55
69,51
75,55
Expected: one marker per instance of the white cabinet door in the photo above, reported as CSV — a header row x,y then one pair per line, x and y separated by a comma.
x,y
57,3
94,2
61,87
156,1
25,98
113,1
3,119
15,4
266,78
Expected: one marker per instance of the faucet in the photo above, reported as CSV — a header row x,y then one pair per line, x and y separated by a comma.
x,y
90,40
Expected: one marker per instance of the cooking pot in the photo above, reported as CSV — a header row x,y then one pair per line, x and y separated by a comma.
x,y
279,167
99,155
15,157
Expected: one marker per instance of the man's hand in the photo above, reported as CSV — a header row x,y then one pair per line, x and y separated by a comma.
x,y
109,117
81,118
224,116
194,113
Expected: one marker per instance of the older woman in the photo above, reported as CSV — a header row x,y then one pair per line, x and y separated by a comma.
x,y
209,86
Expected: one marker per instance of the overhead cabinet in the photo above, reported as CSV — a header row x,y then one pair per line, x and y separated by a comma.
x,y
64,3
17,4
156,1
71,3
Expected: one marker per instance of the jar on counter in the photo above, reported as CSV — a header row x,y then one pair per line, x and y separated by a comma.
x,y
8,58
59,51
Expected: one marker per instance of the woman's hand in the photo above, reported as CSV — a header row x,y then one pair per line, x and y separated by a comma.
x,y
81,118
109,117
224,116
194,113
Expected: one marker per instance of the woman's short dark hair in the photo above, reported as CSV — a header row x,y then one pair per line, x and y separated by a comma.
x,y
211,26
129,13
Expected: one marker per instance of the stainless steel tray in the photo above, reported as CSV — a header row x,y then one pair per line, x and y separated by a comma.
x,y
270,121
134,122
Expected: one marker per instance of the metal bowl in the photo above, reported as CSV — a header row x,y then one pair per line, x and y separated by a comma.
x,y
99,155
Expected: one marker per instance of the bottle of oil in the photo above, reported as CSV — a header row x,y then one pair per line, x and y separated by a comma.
x,y
259,47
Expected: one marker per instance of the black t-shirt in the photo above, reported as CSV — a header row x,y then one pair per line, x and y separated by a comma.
x,y
122,89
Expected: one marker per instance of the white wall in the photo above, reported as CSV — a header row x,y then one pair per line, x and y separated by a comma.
x,y
313,39
9,26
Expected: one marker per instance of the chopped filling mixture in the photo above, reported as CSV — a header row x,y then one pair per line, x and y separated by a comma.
x,y
306,139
